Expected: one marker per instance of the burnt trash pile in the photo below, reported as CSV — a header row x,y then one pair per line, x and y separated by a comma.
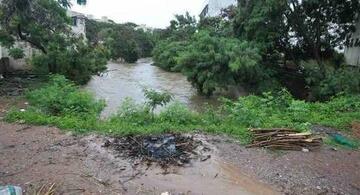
x,y
166,150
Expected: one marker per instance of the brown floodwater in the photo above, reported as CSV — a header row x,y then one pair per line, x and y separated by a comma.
x,y
128,80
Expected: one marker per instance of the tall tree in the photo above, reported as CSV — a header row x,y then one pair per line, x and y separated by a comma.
x,y
301,29
45,25
320,26
33,21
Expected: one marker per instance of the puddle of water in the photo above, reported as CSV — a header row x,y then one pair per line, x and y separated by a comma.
x,y
128,80
211,177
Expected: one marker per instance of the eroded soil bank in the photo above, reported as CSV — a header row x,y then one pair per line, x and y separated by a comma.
x,y
34,156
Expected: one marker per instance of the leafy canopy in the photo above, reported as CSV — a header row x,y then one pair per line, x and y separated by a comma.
x,y
125,41
44,24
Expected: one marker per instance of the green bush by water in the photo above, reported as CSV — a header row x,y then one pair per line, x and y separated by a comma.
x,y
63,105
61,97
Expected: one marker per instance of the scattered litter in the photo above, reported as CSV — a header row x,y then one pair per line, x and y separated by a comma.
x,y
10,190
46,189
305,150
22,110
165,193
166,150
285,139
334,149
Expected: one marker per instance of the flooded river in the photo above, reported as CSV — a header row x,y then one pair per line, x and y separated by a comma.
x,y
127,80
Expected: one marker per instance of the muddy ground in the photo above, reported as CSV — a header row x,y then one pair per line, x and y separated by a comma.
x,y
34,156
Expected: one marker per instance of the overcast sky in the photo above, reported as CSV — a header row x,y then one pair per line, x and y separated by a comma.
x,y
153,13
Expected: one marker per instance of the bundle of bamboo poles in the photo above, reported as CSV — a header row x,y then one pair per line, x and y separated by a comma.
x,y
285,139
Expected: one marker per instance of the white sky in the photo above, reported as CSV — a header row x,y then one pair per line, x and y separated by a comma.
x,y
153,13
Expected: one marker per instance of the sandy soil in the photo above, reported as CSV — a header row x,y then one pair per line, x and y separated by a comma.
x,y
34,156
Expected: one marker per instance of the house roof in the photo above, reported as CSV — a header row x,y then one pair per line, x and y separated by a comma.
x,y
76,14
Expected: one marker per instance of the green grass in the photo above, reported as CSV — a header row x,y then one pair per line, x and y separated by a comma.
x,y
62,104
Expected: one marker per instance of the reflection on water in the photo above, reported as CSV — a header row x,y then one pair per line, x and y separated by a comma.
x,y
128,80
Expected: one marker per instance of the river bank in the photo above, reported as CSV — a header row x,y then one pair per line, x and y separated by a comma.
x,y
32,156
77,160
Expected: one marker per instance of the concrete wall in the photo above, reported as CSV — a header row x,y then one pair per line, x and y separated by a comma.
x,y
18,64
352,51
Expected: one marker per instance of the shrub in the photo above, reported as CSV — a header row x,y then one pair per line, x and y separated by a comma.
x,y
77,62
16,53
64,105
335,80
61,97
130,51
134,113
179,114
156,98
212,62
165,54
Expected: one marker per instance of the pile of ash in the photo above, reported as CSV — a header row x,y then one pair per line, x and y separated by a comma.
x,y
166,150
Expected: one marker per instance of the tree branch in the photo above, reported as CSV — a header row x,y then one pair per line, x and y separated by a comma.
x,y
24,38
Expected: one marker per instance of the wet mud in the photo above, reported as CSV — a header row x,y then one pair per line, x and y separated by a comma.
x,y
34,156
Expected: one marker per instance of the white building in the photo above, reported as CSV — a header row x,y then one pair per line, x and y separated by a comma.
x,y
78,25
352,50
214,7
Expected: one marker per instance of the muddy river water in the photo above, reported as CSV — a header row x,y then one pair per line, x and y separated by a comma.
x,y
128,80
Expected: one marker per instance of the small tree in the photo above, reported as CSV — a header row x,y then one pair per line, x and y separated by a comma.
x,y
156,98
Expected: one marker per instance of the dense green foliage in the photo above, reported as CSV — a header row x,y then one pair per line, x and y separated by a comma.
x,y
211,62
72,58
62,104
44,24
259,43
332,81
127,41
300,29
156,98
16,53
34,21
165,54
61,97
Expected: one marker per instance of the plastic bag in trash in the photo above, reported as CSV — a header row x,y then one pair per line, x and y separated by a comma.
x,y
10,190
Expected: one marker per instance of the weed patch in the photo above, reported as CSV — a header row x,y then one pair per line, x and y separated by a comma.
x,y
62,104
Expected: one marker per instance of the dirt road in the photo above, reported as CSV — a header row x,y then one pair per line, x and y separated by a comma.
x,y
34,156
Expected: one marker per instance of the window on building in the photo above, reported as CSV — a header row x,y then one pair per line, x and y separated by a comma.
x,y
74,21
